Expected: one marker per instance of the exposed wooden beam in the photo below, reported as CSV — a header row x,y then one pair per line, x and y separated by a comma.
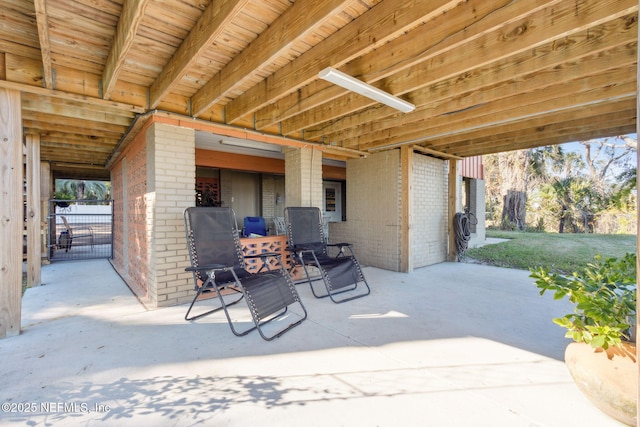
x,y
370,30
11,211
590,91
130,19
543,127
534,89
42,20
581,135
541,29
444,34
76,111
609,44
210,25
567,120
297,21
435,153
374,66
34,212
70,96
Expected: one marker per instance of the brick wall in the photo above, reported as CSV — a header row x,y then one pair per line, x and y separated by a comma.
x,y
130,245
373,210
430,227
117,192
374,220
153,182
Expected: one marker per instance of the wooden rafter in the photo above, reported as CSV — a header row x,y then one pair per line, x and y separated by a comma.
x,y
444,33
132,14
554,24
354,39
484,76
42,20
445,126
296,22
210,26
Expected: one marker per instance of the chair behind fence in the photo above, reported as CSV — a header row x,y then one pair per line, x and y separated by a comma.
x,y
80,229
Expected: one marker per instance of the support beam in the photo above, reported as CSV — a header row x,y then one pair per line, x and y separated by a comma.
x,y
637,213
34,212
46,193
406,230
130,19
10,212
453,198
42,20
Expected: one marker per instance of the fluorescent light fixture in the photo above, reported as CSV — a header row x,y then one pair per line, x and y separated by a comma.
x,y
358,86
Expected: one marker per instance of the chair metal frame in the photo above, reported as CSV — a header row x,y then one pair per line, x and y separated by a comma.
x,y
71,235
250,286
315,254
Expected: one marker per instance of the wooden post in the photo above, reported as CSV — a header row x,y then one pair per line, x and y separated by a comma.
x,y
46,192
452,202
637,221
406,229
34,215
11,221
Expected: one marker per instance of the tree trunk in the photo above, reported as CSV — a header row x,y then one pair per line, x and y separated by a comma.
x,y
514,208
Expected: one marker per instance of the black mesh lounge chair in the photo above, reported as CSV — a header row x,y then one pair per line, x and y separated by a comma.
x,y
218,266
341,273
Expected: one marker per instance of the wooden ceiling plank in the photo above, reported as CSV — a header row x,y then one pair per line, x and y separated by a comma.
x,y
372,29
505,111
210,25
297,21
577,48
42,20
614,62
576,75
566,119
583,136
586,122
128,24
445,32
544,27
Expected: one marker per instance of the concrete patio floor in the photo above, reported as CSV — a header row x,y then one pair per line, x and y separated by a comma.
x,y
454,344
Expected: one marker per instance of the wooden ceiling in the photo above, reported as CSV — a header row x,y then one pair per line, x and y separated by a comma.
x,y
486,76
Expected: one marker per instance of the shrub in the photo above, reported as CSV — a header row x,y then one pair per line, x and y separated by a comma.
x,y
604,294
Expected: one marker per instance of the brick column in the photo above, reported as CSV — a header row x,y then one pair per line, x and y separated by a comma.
x,y
303,177
171,188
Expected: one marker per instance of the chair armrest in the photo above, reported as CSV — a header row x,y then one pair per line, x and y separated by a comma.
x,y
299,248
208,267
339,244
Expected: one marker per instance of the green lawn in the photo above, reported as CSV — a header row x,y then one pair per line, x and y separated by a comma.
x,y
564,253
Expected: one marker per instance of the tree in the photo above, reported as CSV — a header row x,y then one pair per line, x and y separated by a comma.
x,y
508,177
570,188
84,190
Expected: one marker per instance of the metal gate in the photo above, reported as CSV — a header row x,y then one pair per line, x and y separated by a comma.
x,y
80,229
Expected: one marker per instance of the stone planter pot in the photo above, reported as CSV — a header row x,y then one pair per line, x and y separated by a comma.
x,y
609,378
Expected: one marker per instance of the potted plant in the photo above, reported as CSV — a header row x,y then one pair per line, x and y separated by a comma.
x,y
602,358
